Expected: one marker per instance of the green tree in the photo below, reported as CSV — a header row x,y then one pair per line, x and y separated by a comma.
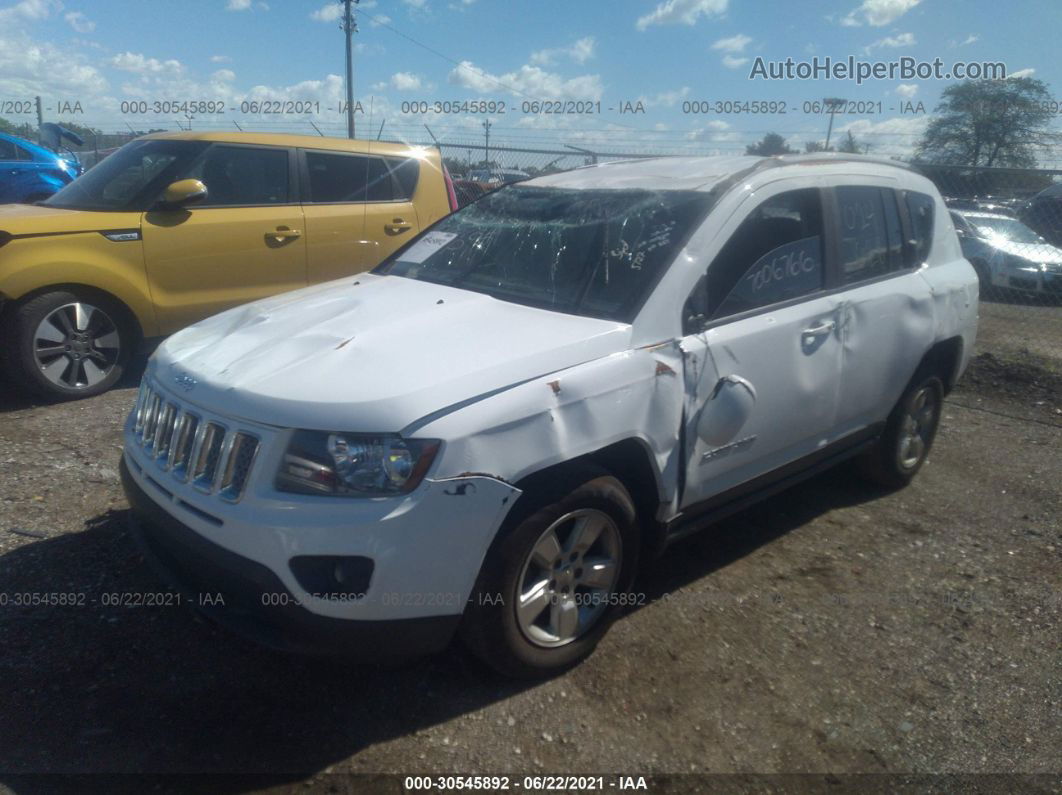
x,y
810,147
851,146
989,123
771,144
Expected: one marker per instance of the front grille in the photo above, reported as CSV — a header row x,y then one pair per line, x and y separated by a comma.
x,y
215,458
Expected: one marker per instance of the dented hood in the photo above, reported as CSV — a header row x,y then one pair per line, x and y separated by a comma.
x,y
374,354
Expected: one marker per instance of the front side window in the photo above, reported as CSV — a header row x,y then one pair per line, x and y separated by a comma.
x,y
596,253
131,178
776,254
870,235
920,209
8,150
243,175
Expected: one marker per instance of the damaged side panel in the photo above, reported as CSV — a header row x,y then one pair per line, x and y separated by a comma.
x,y
635,394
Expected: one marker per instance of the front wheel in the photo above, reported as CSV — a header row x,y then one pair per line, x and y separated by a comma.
x,y
909,433
64,345
552,584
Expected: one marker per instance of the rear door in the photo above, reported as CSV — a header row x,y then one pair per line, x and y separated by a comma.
x,y
390,215
333,201
886,312
244,242
762,353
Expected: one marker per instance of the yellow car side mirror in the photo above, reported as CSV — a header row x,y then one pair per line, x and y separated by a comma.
x,y
184,192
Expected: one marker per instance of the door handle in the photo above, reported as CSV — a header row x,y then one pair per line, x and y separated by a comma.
x,y
397,225
822,328
282,233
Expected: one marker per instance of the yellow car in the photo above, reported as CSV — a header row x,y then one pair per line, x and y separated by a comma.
x,y
174,227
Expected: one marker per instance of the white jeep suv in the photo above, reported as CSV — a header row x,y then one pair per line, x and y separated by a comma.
x,y
484,435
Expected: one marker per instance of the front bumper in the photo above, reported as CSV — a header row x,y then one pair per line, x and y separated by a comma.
x,y
251,600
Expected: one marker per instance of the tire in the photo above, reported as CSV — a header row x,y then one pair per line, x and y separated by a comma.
x,y
67,344
526,644
909,432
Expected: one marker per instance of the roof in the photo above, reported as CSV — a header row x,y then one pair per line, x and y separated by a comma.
x,y
699,173
286,139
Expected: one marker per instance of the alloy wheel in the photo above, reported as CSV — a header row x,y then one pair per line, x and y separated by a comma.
x,y
918,424
568,578
76,345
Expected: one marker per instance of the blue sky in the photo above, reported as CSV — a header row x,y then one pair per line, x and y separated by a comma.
x,y
662,54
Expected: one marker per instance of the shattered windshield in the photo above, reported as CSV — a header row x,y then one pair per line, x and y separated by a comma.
x,y
588,252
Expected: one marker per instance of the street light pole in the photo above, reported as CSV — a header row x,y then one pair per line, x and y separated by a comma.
x,y
834,104
486,143
349,28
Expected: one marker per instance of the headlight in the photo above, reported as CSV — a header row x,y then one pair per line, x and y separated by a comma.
x,y
354,464
1015,263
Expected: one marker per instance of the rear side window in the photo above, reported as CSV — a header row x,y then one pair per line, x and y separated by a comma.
x,y
871,237
336,177
775,255
8,150
920,210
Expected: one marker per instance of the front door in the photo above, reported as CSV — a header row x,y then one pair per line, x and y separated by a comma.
x,y
245,241
763,357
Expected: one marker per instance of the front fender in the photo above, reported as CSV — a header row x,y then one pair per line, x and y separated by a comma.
x,y
637,394
29,264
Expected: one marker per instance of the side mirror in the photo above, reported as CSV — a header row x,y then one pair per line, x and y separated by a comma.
x,y
184,192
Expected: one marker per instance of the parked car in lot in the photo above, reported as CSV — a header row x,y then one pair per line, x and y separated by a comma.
x,y
487,433
1007,254
30,173
1044,214
175,227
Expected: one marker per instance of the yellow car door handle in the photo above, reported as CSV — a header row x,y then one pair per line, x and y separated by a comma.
x,y
397,225
282,233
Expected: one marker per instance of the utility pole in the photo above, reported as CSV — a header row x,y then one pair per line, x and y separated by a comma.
x,y
486,143
834,106
40,119
349,28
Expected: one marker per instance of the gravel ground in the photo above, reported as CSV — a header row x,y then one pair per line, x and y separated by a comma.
x,y
835,628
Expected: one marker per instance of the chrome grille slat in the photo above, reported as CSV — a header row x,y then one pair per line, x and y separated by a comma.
x,y
182,446
214,458
206,464
238,465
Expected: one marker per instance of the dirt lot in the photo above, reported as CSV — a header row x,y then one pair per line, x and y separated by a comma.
x,y
834,628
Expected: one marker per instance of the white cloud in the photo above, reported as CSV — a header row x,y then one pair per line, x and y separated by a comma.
x,y
238,5
681,12
1022,73
31,10
223,76
877,13
902,40
907,90
733,62
736,43
580,52
715,131
140,64
402,81
896,136
973,37
416,3
668,99
329,12
29,67
220,58
79,22
528,80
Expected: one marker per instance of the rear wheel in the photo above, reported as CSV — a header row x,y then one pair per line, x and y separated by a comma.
x,y
64,345
909,433
552,583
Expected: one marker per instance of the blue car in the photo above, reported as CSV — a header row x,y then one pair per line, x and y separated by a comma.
x,y
30,172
